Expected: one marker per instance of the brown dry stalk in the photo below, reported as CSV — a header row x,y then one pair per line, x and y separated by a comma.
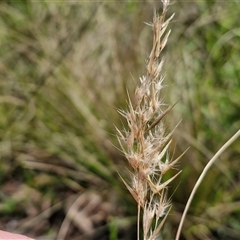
x,y
201,177
145,143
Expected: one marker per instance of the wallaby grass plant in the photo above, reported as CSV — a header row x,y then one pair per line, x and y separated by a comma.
x,y
63,65
145,144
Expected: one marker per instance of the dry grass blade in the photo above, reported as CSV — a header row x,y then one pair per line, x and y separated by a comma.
x,y
160,117
200,179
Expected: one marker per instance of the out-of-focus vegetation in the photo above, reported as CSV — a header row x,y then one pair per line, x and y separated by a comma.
x,y
64,69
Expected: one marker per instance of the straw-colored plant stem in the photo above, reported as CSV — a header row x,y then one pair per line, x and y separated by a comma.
x,y
145,144
201,177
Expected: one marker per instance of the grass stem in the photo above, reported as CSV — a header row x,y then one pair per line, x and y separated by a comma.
x,y
201,177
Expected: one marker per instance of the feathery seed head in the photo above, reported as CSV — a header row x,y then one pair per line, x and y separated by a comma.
x,y
146,143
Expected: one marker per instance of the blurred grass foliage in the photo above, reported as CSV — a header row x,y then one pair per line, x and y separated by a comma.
x,y
64,69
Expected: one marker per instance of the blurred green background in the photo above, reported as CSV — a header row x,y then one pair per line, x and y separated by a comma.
x,y
65,67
